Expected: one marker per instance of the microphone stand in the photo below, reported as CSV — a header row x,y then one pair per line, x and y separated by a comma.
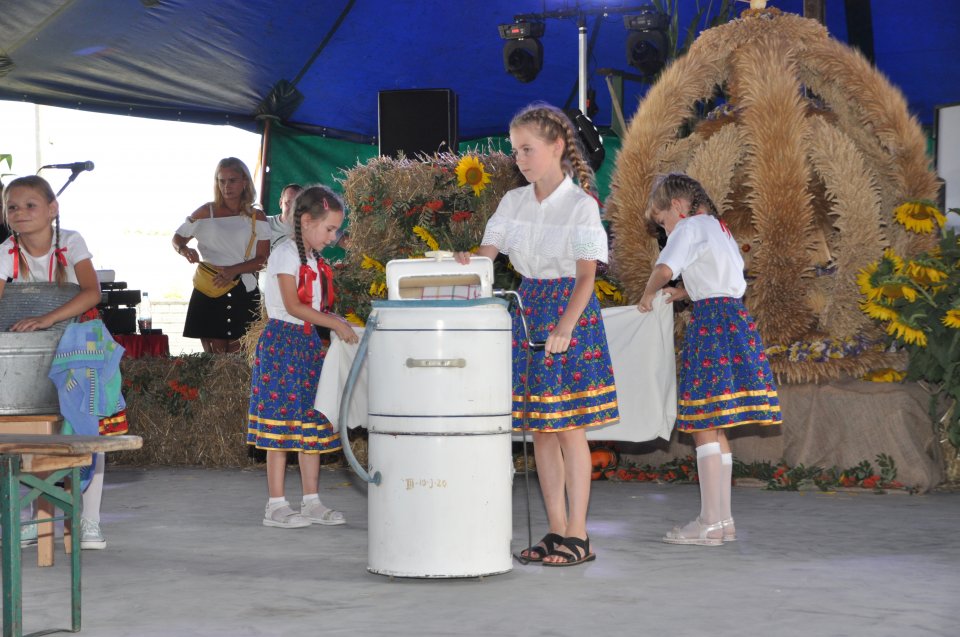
x,y
73,175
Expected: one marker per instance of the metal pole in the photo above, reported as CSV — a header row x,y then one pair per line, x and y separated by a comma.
x,y
582,74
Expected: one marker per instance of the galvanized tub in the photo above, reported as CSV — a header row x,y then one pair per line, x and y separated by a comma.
x,y
25,357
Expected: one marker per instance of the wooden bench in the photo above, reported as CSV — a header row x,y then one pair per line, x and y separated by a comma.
x,y
24,458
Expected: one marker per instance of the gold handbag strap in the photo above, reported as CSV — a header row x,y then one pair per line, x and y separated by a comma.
x,y
253,235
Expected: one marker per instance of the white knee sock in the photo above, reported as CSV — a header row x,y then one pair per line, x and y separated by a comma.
x,y
726,477
710,473
94,492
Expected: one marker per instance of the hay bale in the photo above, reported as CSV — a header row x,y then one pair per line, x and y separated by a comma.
x,y
190,410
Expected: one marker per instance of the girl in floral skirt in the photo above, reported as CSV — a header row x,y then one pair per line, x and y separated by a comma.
x,y
725,379
298,292
552,233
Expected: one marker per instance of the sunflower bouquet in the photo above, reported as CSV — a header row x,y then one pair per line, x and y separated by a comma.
x,y
918,302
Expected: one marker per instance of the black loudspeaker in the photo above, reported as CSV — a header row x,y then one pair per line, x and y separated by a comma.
x,y
417,121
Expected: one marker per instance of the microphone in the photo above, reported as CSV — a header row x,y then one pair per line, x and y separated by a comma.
x,y
77,166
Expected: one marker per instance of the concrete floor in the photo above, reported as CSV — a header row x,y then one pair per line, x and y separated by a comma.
x,y
187,555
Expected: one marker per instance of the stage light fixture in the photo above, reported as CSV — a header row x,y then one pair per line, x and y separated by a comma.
x,y
522,53
589,138
647,43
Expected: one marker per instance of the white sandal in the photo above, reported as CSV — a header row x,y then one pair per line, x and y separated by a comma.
x,y
284,517
316,513
702,537
729,530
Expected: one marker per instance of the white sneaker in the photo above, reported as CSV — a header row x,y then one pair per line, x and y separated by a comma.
x,y
90,535
28,535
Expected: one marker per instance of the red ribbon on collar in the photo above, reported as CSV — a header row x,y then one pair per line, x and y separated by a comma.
x,y
326,285
15,251
305,283
62,260
724,227
305,290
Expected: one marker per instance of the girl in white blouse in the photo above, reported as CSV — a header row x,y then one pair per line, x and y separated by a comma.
x,y
725,379
552,233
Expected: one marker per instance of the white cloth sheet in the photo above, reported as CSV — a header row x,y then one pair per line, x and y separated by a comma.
x,y
641,349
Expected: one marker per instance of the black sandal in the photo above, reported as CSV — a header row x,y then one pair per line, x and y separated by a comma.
x,y
578,552
536,553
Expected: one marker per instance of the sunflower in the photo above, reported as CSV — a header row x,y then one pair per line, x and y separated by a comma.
x,y
919,216
878,310
885,375
926,272
353,319
952,318
370,263
901,329
427,238
470,172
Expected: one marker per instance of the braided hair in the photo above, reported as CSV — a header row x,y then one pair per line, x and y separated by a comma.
x,y
672,186
41,186
549,123
315,202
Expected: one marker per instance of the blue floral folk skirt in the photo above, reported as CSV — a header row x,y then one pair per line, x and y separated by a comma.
x,y
283,386
725,378
564,391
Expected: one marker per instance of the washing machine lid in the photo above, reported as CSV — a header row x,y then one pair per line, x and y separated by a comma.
x,y
438,276
431,303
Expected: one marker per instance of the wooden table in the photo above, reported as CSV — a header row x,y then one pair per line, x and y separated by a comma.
x,y
55,457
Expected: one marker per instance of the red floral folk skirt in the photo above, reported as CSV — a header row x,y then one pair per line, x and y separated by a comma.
x,y
725,378
283,386
563,391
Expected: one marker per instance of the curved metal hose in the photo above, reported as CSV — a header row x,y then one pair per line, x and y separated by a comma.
x,y
348,396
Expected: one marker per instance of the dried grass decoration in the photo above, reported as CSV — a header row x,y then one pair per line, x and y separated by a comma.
x,y
808,151
190,410
402,208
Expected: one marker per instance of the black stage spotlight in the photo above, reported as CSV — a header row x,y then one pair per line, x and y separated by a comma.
x,y
648,42
523,53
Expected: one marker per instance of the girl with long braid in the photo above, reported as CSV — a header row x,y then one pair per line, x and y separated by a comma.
x,y
297,297
552,233
38,250
725,379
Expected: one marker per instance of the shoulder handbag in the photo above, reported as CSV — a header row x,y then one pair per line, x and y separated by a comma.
x,y
204,274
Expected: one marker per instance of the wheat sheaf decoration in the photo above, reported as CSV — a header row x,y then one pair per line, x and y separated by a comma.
x,y
810,155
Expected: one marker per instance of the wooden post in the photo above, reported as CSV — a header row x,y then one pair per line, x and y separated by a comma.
x,y
815,10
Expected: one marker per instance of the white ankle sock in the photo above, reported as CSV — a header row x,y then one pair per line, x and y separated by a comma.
x,y
311,498
275,502
726,477
94,494
709,471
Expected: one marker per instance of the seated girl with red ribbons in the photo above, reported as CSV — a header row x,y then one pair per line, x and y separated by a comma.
x,y
298,295
40,251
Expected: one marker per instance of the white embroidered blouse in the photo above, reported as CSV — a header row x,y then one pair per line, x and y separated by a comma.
x,y
545,239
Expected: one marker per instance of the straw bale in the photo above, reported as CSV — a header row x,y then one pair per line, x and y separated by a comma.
x,y
189,410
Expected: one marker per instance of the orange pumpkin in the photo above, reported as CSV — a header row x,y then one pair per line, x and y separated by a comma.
x,y
602,459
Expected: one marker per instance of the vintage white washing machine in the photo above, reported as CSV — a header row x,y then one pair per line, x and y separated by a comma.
x,y
440,422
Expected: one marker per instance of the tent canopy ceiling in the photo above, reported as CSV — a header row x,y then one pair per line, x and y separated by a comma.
x,y
216,60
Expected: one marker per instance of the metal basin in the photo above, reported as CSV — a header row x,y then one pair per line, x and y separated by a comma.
x,y
25,357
